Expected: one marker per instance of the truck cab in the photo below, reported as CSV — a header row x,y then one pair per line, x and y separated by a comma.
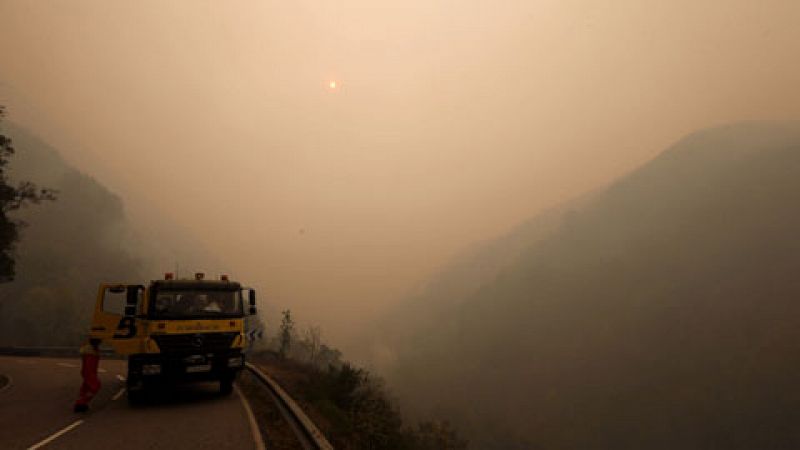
x,y
175,330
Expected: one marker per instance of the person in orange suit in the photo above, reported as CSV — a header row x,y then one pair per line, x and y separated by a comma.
x,y
90,360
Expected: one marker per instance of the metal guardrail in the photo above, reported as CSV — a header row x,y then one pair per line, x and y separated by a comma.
x,y
309,434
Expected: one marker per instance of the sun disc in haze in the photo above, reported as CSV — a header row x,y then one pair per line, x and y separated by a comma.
x,y
333,85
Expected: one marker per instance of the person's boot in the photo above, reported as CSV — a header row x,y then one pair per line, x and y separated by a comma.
x,y
81,408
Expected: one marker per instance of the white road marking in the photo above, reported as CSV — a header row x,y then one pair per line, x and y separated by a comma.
x,y
120,377
257,439
56,435
118,395
71,366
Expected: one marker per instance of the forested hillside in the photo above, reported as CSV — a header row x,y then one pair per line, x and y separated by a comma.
x,y
67,247
662,313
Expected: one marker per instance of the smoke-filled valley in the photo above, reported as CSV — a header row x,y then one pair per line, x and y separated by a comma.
x,y
659,312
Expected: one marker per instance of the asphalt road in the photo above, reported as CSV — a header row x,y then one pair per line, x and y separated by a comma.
x,y
36,409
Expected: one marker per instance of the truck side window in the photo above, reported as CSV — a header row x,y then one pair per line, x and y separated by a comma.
x,y
114,301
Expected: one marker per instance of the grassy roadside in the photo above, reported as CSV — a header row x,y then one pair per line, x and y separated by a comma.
x,y
352,408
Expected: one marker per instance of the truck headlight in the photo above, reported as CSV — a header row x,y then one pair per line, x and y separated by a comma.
x,y
151,369
236,361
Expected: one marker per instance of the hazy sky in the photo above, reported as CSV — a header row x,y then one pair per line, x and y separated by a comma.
x,y
451,121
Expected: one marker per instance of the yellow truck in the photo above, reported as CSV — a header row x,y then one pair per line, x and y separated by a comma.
x,y
175,330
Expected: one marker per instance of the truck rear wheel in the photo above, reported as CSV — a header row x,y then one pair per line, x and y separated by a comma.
x,y
136,397
226,386
135,387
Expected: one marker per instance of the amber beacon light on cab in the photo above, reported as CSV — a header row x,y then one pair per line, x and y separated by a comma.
x,y
175,330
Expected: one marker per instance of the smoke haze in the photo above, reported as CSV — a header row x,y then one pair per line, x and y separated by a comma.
x,y
452,122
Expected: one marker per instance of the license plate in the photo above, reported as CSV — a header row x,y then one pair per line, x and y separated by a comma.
x,y
200,368
194,359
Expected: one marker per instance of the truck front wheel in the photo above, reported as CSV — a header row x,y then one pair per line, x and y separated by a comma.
x,y
135,386
226,385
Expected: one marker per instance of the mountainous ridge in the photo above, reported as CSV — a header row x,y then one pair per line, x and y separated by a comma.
x,y
598,334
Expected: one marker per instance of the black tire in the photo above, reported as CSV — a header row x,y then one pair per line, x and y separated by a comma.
x,y
135,388
226,386
136,397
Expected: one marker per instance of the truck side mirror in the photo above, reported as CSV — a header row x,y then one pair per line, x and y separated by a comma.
x,y
252,297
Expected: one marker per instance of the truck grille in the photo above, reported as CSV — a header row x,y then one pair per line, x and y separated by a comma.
x,y
195,342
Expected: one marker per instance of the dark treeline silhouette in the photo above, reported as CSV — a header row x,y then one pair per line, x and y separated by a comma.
x,y
660,313
12,198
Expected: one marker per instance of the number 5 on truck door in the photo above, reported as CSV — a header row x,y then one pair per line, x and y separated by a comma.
x,y
115,316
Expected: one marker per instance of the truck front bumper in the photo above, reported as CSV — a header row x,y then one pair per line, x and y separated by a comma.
x,y
184,367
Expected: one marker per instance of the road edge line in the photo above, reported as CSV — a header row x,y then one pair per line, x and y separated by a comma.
x,y
118,395
56,435
257,438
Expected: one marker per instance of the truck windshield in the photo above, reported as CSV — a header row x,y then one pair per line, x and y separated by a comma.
x,y
172,304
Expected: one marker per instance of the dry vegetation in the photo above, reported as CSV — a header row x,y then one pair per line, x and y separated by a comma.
x,y
351,406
